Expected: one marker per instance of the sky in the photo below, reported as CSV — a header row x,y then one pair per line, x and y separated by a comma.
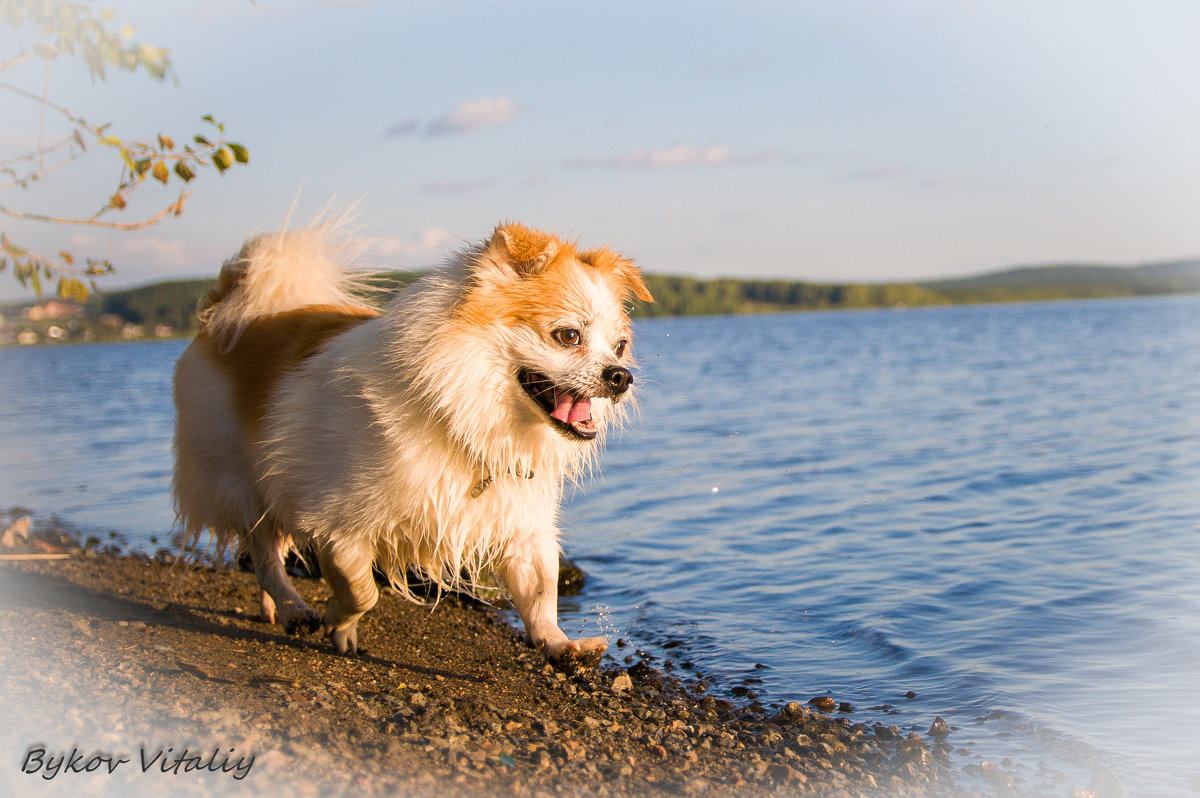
x,y
848,140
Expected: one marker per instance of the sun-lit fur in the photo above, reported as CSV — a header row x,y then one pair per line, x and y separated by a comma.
x,y
400,437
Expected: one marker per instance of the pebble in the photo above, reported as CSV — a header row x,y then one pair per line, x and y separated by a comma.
x,y
621,683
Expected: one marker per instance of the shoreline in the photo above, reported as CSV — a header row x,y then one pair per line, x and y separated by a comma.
x,y
116,657
188,333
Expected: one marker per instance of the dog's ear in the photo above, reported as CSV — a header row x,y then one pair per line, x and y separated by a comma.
x,y
622,269
529,252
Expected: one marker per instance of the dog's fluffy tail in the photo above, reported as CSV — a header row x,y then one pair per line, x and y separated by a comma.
x,y
285,270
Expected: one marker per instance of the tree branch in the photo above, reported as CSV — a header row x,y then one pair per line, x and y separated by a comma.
x,y
171,210
37,98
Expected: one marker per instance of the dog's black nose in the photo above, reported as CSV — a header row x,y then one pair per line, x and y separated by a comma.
x,y
617,379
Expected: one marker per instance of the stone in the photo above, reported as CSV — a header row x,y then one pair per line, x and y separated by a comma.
x,y
622,683
19,529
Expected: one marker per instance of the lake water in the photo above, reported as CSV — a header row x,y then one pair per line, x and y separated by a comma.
x,y
996,508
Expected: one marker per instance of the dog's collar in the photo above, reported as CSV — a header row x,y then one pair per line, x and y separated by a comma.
x,y
486,483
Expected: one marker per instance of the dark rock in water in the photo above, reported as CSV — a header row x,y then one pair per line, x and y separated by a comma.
x,y
939,729
571,577
824,703
641,672
886,732
793,712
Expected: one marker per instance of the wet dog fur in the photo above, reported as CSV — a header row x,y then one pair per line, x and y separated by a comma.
x,y
434,434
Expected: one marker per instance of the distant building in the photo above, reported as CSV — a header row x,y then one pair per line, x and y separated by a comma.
x,y
27,337
131,331
52,309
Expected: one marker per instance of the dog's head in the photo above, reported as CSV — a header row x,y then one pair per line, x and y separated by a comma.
x,y
559,317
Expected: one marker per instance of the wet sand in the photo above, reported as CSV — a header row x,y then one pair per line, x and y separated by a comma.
x,y
120,657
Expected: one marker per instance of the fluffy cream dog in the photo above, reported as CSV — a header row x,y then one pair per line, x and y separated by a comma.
x,y
433,435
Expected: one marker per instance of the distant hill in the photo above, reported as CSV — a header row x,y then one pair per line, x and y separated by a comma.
x,y
684,296
171,306
1073,282
173,303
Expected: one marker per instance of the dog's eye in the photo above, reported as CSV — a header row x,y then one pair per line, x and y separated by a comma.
x,y
619,349
567,336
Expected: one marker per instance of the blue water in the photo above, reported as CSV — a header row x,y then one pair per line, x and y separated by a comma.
x,y
996,508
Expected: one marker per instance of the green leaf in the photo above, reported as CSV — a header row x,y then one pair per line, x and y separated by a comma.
x,y
222,159
160,172
200,140
184,171
240,153
70,288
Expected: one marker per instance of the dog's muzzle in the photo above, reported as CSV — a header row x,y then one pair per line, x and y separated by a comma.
x,y
570,412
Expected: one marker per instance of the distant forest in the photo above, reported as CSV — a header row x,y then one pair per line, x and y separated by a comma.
x,y
174,303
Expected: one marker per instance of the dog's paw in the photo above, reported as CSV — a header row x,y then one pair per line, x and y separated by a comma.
x,y
345,641
578,655
302,624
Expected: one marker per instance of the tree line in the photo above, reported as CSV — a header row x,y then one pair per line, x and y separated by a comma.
x,y
174,303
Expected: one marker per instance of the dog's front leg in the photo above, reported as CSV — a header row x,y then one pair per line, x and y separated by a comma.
x,y
532,582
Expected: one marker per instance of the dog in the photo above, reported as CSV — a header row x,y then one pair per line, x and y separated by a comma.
x,y
432,435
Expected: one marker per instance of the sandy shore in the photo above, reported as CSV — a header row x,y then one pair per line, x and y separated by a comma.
x,y
120,663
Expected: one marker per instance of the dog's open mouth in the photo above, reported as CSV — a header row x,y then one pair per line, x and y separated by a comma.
x,y
569,413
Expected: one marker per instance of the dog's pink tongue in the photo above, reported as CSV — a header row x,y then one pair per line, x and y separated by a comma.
x,y
570,409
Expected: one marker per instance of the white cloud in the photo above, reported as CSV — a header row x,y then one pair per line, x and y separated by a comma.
x,y
139,247
420,251
675,156
473,115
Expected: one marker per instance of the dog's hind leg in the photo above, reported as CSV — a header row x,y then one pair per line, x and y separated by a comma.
x,y
346,567
280,601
